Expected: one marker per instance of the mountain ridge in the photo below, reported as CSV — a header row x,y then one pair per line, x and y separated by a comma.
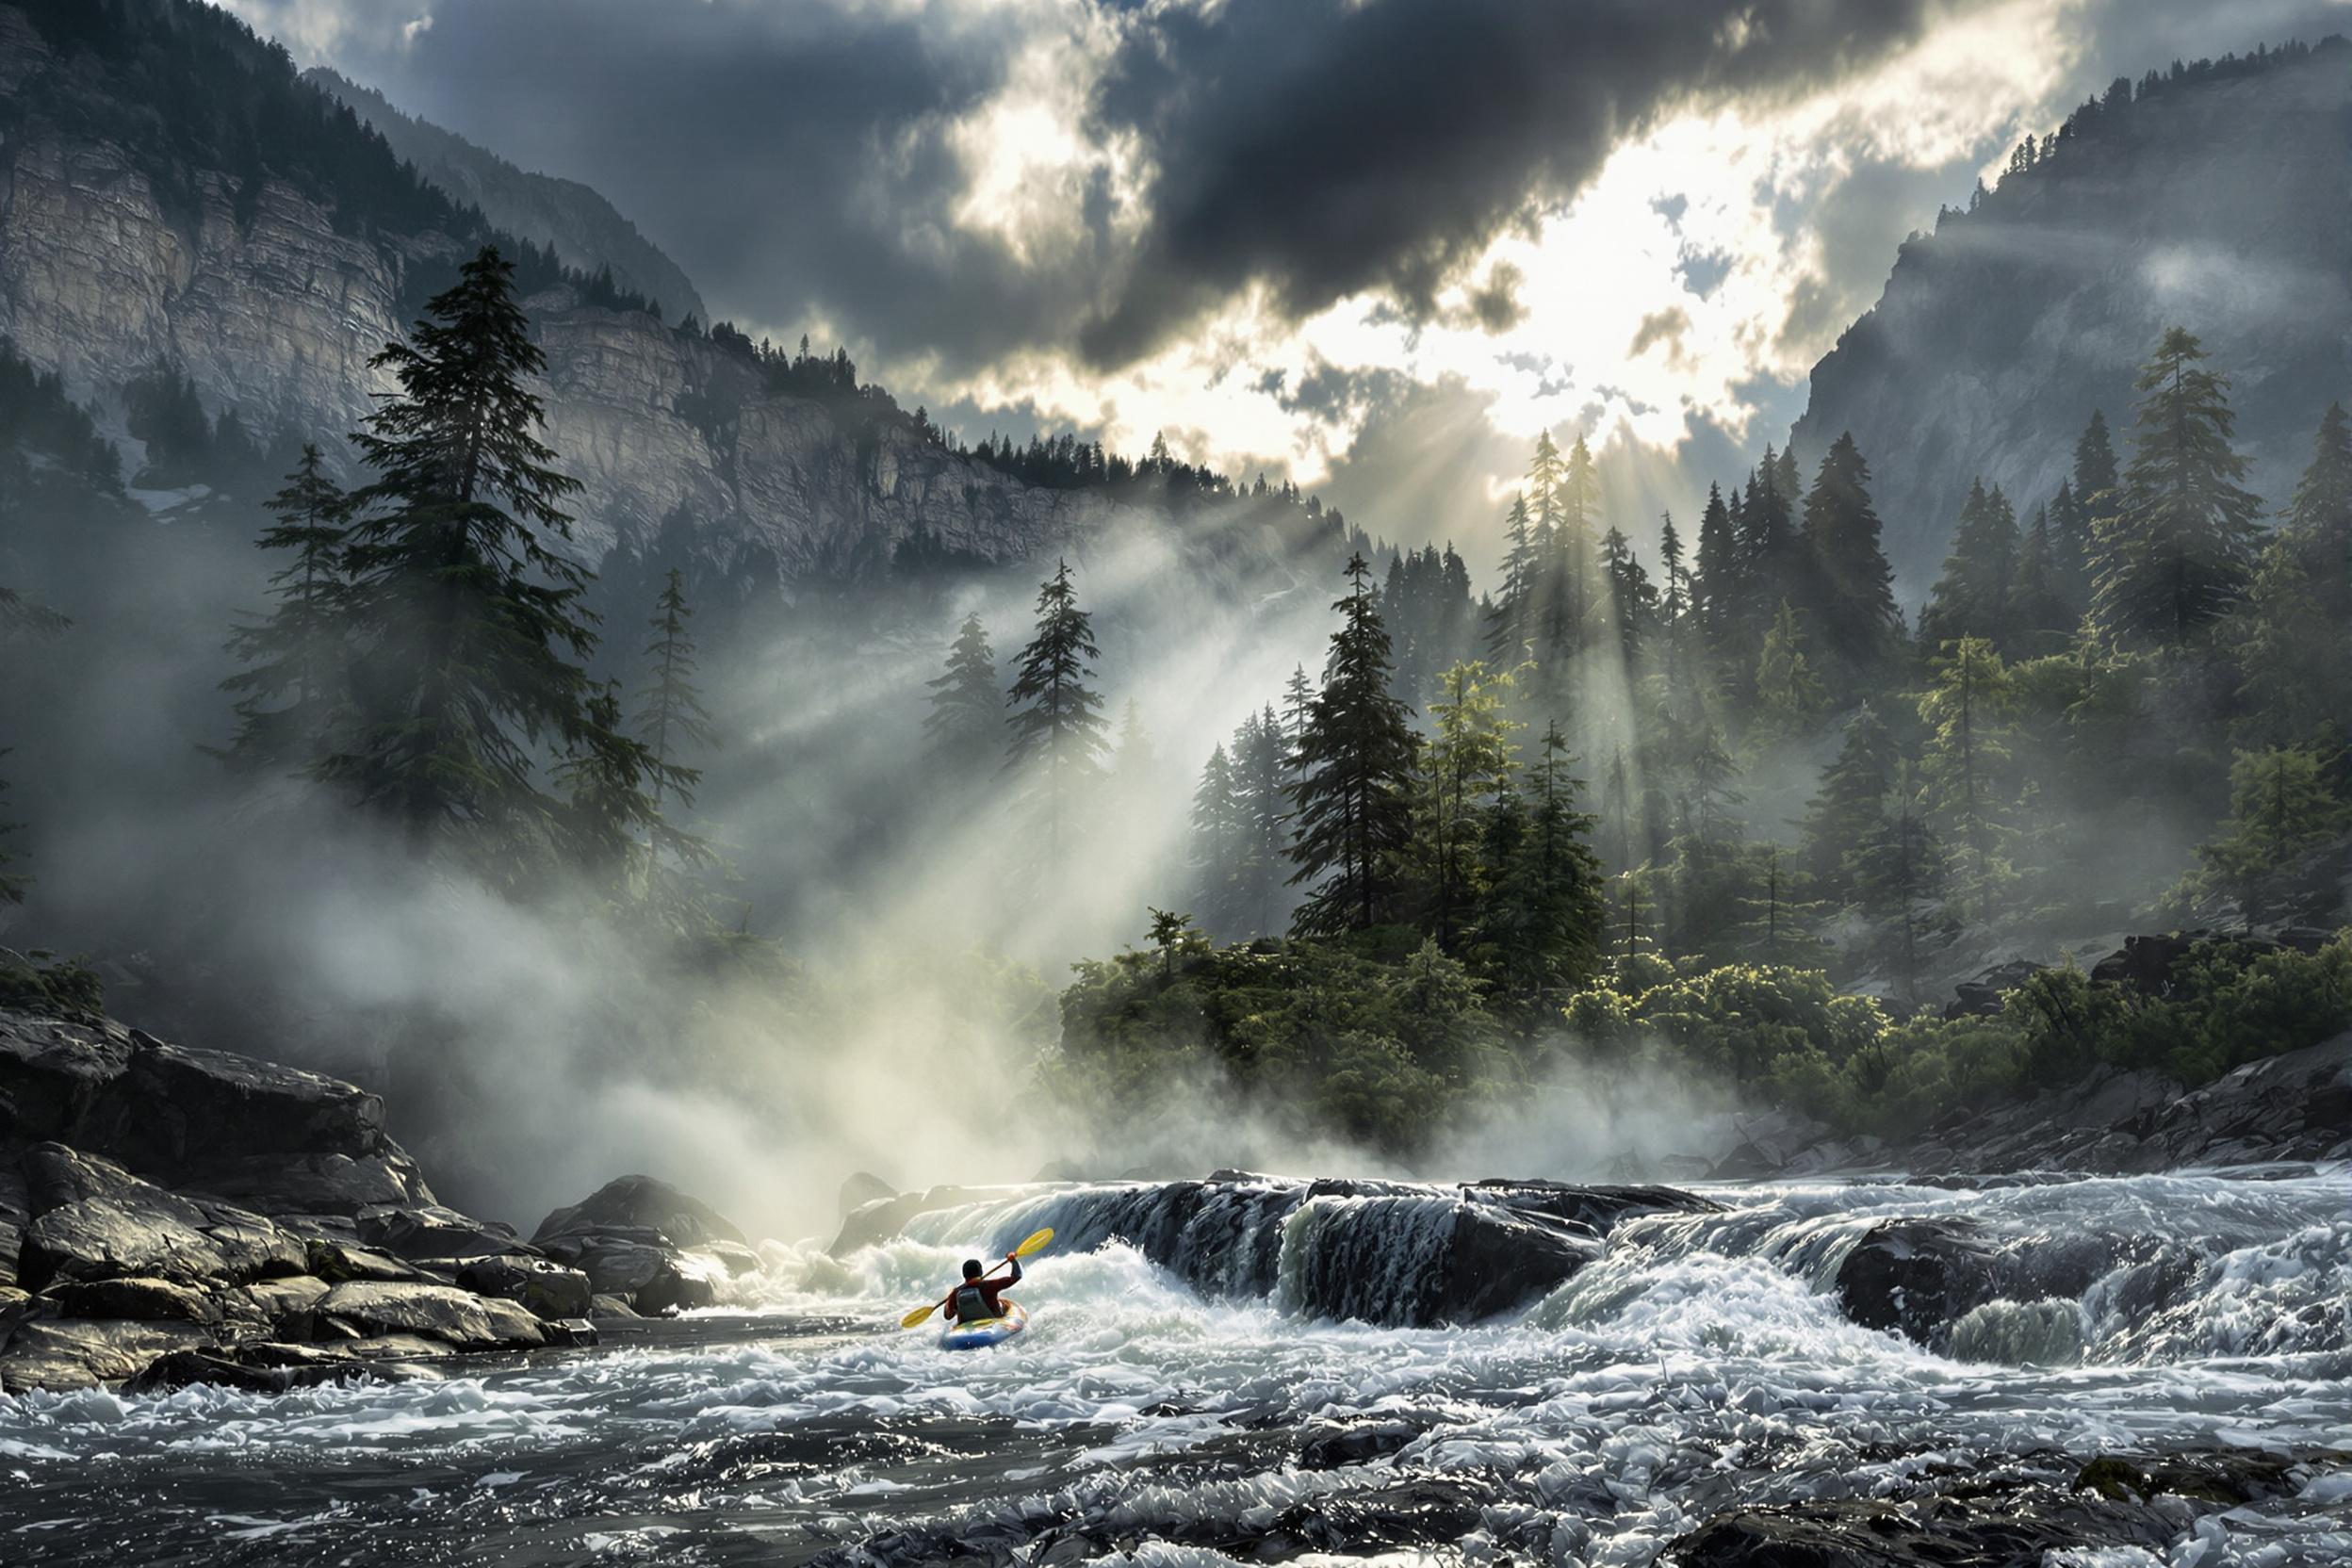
x,y
2134,221
583,225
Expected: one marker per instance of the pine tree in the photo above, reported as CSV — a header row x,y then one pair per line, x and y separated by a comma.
x,y
1719,581
2181,549
607,815
468,629
1967,708
1899,869
2293,654
2281,808
1219,842
1850,804
2040,620
1058,737
1777,924
1261,770
294,686
1468,759
1850,589
1972,596
1297,707
1353,796
1630,597
2318,521
670,716
1769,546
965,726
1540,917
1507,625
1789,697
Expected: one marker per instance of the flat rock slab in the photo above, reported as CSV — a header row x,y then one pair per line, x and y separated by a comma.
x,y
269,1367
457,1318
96,1220
547,1288
64,1354
143,1300
430,1230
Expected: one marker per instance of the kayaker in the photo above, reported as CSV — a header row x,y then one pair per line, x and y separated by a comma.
x,y
977,1299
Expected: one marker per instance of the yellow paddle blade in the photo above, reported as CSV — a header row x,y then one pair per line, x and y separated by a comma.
x,y
918,1316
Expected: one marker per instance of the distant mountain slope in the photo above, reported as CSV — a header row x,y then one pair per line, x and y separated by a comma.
x,y
2218,197
171,191
584,228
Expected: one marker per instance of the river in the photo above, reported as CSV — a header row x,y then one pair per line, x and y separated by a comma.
x,y
1167,1412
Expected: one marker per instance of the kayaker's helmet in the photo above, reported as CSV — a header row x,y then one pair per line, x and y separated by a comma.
x,y
972,1268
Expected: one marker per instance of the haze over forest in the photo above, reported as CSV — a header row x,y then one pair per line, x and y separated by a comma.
x,y
1118,720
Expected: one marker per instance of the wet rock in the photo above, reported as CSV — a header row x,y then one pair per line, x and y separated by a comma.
x,y
640,1202
1330,1445
1921,1277
611,1306
61,1354
1916,1276
2016,1526
879,1220
545,1287
263,1366
1598,1207
364,1308
2222,1477
734,1257
430,1231
96,1221
1982,996
571,1333
1420,1261
336,1262
275,1301
282,1186
865,1188
143,1300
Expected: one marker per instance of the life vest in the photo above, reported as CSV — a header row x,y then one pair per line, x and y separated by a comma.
x,y
971,1304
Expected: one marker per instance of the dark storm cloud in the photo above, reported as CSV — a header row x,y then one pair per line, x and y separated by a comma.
x,y
793,157
1326,146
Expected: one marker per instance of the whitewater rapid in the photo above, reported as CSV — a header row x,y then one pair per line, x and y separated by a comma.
x,y
1702,1361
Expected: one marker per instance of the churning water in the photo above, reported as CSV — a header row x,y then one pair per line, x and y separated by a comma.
x,y
1177,1400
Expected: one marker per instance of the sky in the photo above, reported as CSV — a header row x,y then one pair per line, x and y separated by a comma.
x,y
1374,245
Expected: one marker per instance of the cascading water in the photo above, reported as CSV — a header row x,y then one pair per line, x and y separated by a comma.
x,y
1204,1382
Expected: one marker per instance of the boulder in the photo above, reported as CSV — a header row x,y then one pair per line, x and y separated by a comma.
x,y
864,1187
640,1202
281,1185
364,1308
60,1354
1922,1275
2018,1525
1419,1261
611,1306
430,1231
161,1110
274,1301
547,1287
265,1367
96,1221
656,1279
336,1262
1918,1276
143,1300
733,1256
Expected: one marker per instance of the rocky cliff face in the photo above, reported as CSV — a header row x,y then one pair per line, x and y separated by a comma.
x,y
583,226
2214,201
274,311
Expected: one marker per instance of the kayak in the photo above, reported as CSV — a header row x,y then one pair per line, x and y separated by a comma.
x,y
980,1335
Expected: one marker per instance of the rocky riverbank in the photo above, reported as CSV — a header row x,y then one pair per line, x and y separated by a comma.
x,y
170,1216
